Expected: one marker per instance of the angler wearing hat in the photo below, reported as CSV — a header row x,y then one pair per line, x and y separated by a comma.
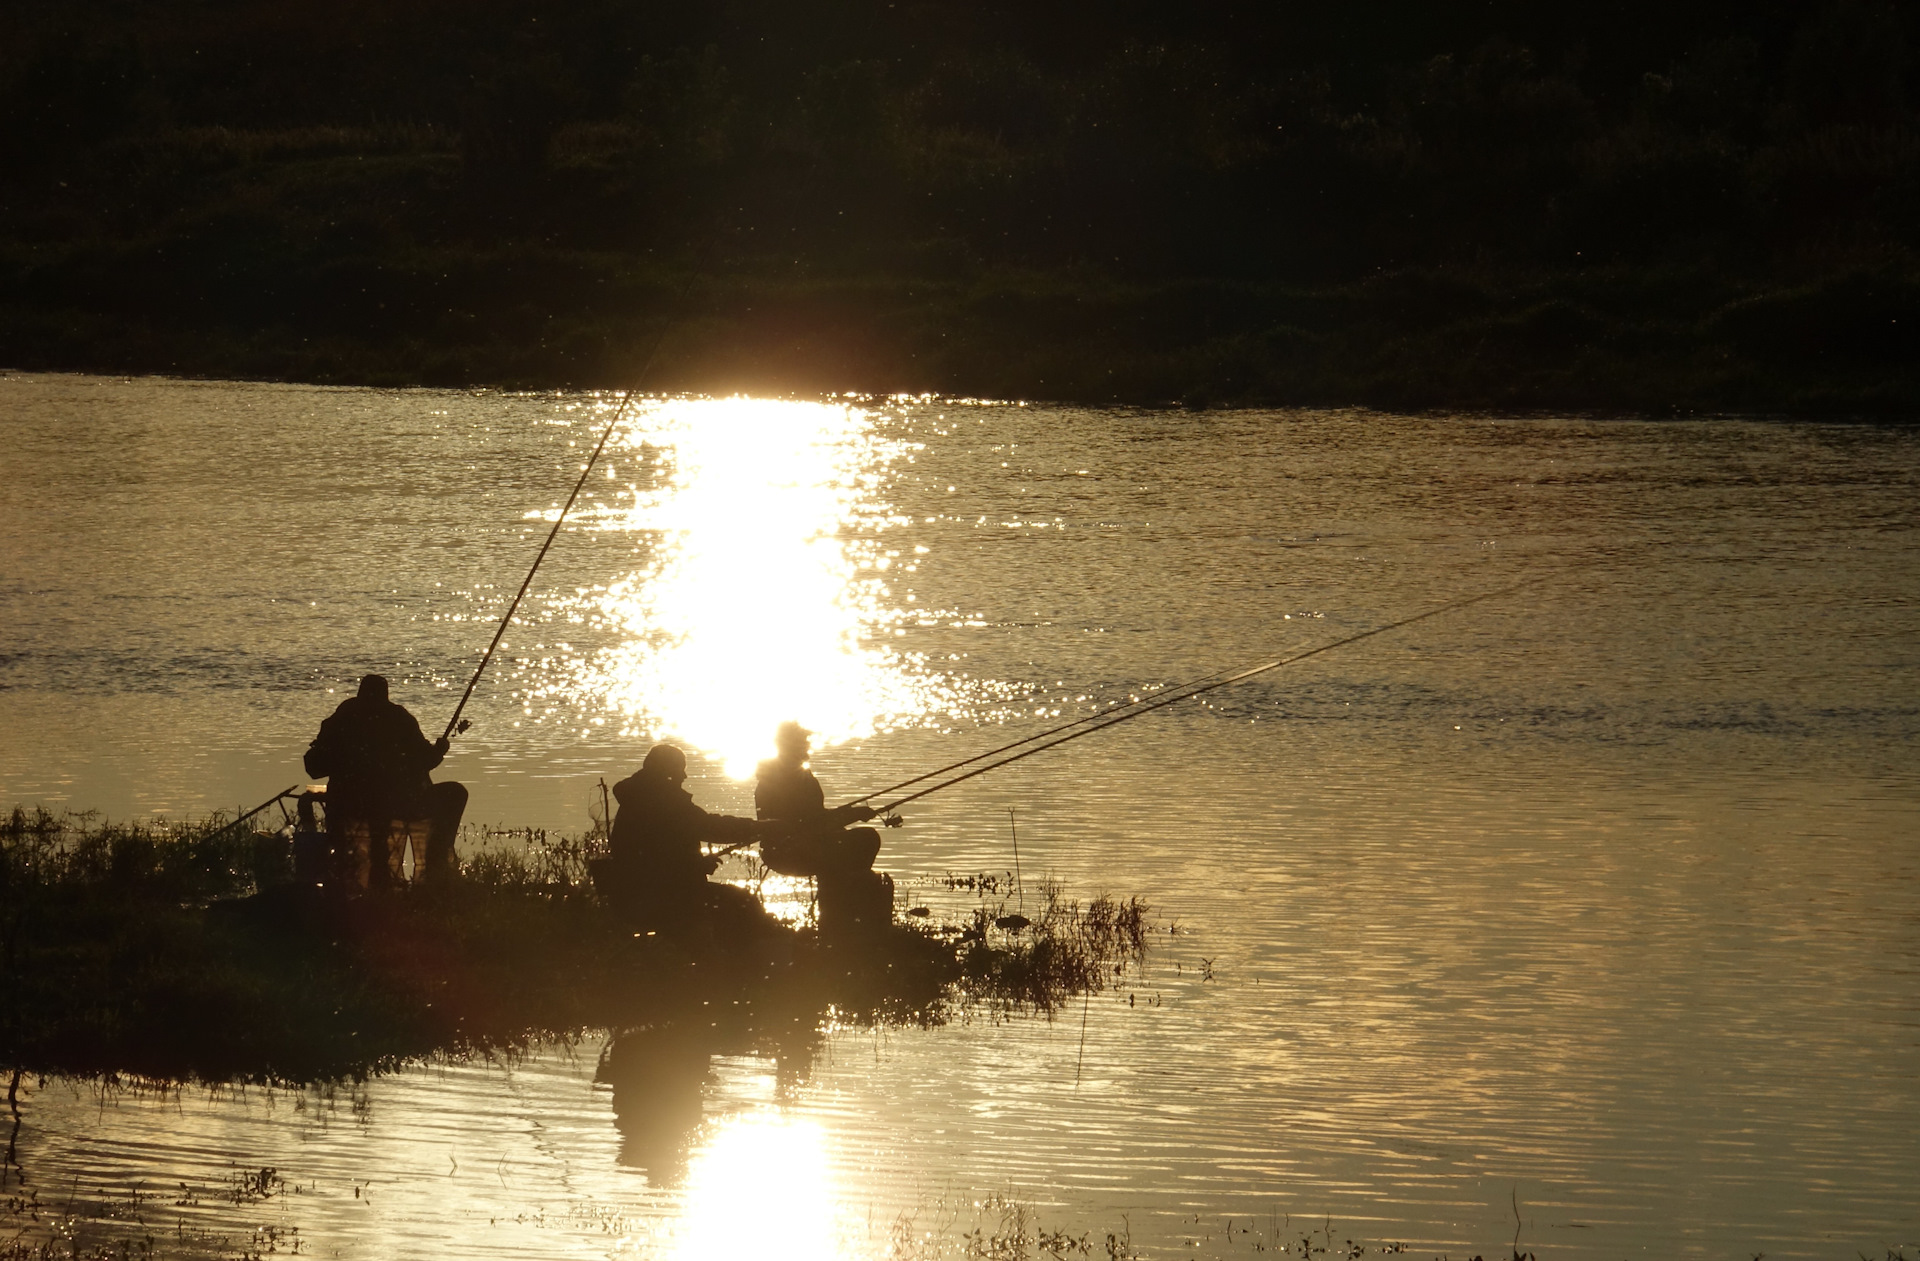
x,y
656,870
811,840
379,795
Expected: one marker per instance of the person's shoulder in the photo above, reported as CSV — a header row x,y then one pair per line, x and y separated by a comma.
x,y
392,712
769,769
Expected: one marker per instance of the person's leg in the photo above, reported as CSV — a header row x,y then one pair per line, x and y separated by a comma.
x,y
352,853
797,852
447,803
816,848
857,847
854,902
417,833
389,854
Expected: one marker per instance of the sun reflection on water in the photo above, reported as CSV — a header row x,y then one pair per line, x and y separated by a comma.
x,y
763,591
760,1188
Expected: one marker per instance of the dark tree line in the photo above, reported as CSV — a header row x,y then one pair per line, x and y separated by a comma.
x,y
1276,198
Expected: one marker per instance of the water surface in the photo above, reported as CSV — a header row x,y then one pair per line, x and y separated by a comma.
x,y
1594,902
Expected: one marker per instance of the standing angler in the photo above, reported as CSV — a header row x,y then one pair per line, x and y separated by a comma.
x,y
376,763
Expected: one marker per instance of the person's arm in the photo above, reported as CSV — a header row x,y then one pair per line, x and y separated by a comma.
x,y
322,755
319,758
726,828
429,753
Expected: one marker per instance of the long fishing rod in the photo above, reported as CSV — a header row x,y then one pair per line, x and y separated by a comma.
x,y
235,823
1163,700
453,724
1108,712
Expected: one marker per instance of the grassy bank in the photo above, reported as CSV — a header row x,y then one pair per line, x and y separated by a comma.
x,y
1670,340
1618,205
186,953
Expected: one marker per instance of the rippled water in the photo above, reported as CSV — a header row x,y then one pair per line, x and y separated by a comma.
x,y
1595,903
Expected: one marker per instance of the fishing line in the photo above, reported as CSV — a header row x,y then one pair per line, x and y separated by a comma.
x,y
1163,700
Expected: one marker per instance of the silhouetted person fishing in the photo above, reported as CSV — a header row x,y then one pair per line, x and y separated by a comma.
x,y
811,840
379,794
656,871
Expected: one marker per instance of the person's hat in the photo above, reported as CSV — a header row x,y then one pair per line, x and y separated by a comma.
x,y
665,759
788,732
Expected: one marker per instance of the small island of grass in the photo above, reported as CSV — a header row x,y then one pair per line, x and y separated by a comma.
x,y
188,953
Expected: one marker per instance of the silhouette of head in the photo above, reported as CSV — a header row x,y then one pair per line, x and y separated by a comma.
x,y
790,738
667,761
373,687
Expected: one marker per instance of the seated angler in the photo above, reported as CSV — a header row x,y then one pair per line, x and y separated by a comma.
x,y
656,870
812,840
379,794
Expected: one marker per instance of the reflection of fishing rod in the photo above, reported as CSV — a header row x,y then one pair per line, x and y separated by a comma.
x,y
1165,699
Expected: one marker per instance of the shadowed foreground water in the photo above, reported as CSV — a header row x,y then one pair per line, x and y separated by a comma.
x,y
1597,901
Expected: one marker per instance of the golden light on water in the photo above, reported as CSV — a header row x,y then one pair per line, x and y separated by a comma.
x,y
762,592
760,1188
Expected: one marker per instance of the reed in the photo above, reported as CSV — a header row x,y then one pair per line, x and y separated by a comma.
x,y
1064,951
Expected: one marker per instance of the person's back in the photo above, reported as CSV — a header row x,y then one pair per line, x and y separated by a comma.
x,y
815,841
372,753
787,791
376,763
658,826
784,788
656,868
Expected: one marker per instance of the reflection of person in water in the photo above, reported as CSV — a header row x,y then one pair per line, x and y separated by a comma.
x,y
378,792
658,1078
661,1075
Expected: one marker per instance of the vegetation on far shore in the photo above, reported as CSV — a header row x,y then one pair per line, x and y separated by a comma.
x,y
1397,203
187,952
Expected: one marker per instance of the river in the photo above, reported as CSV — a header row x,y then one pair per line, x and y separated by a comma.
x,y
1584,920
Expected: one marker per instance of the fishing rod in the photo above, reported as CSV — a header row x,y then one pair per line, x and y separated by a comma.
x,y
454,725
1163,700
234,824
1108,712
